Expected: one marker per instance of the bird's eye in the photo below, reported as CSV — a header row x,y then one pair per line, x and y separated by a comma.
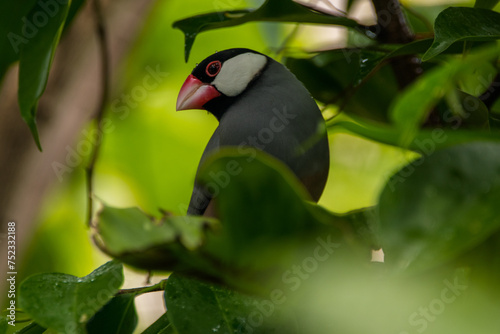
x,y
213,68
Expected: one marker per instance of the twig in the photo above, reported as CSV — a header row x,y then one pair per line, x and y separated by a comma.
x,y
288,39
160,286
422,18
105,71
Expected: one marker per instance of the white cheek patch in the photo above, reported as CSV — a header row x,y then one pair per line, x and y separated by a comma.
x,y
237,72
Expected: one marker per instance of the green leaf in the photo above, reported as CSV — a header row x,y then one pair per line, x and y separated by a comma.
x,y
32,328
262,208
333,76
488,4
440,206
144,242
161,326
14,32
463,24
220,310
139,230
265,223
36,57
118,316
426,141
330,75
371,60
11,35
469,111
412,107
271,10
3,325
65,303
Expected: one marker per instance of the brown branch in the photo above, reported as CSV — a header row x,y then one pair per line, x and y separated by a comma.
x,y
105,83
392,22
392,28
70,100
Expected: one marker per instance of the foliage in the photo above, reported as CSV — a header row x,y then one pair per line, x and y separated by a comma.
x,y
275,262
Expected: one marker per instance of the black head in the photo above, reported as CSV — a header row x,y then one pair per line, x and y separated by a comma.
x,y
219,79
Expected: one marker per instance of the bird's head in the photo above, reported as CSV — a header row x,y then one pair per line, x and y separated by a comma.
x,y
219,79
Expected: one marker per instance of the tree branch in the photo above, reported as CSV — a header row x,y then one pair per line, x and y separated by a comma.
x,y
392,28
105,72
392,22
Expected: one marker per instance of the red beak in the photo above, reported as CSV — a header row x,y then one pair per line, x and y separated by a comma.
x,y
194,94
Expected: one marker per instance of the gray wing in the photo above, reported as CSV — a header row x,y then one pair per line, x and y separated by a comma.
x,y
201,197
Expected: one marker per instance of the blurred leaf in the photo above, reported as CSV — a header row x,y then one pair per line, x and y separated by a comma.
x,y
479,82
13,29
488,4
118,316
425,141
412,107
463,24
317,76
265,224
469,111
484,259
64,302
139,240
370,60
277,187
262,208
36,58
161,326
32,328
220,310
333,77
3,325
11,36
441,205
271,10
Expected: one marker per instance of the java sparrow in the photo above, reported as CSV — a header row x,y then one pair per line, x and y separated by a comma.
x,y
260,105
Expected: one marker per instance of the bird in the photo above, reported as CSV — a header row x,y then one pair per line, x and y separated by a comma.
x,y
259,105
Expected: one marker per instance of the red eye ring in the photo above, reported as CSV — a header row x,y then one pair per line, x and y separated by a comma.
x,y
213,68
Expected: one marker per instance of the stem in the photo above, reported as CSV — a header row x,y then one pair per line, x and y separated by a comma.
x,y
422,18
105,64
160,286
